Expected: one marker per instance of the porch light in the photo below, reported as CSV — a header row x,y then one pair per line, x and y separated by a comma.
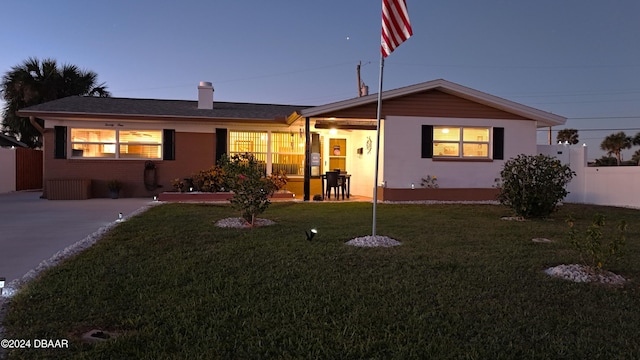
x,y
155,197
311,234
191,189
584,144
413,186
333,131
2,280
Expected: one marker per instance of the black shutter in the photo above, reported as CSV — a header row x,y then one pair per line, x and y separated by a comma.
x,y
168,144
498,143
60,142
427,141
221,143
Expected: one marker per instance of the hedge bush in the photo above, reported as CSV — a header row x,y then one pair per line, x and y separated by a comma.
x,y
533,185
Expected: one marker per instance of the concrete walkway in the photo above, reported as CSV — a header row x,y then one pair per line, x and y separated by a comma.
x,y
34,229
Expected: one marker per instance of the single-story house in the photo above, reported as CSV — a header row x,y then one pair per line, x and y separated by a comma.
x,y
437,128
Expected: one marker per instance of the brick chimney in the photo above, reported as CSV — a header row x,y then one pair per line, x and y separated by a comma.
x,y
205,95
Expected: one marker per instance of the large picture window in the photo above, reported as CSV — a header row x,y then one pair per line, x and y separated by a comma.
x,y
116,144
284,149
461,142
252,142
287,153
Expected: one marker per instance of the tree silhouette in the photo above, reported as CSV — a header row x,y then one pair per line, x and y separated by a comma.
x,y
636,139
615,143
636,157
35,82
569,135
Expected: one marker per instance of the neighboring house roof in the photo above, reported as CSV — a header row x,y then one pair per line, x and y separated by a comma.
x,y
542,117
8,141
111,107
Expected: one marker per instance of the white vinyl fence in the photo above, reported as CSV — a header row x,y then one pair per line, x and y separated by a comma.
x,y
7,170
605,185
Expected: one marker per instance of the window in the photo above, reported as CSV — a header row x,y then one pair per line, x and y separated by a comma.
x,y
284,149
287,153
461,142
116,144
253,142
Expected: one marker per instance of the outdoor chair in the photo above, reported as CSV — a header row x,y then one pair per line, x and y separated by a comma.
x,y
333,182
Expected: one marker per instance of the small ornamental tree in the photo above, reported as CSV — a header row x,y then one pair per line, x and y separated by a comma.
x,y
251,189
533,185
593,248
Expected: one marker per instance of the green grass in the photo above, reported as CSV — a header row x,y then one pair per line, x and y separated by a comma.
x,y
463,285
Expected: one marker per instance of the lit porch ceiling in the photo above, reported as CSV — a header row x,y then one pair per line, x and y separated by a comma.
x,y
346,124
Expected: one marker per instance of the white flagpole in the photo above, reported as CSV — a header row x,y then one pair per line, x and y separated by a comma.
x,y
375,181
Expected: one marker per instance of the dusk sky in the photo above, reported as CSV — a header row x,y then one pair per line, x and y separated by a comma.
x,y
575,58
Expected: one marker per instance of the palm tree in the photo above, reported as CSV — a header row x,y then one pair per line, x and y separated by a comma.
x,y
569,135
615,143
34,82
636,139
636,157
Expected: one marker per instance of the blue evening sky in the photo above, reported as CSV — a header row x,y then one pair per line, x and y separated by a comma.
x,y
576,58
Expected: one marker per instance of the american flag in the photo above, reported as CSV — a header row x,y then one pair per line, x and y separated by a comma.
x,y
396,27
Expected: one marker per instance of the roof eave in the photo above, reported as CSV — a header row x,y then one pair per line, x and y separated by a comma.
x,y
139,117
542,117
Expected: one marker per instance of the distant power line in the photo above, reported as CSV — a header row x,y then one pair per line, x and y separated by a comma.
x,y
604,117
622,129
583,130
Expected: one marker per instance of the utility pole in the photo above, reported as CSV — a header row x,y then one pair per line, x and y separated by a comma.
x,y
363,90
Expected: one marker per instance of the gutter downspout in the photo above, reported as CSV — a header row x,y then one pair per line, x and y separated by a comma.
x,y
33,122
40,129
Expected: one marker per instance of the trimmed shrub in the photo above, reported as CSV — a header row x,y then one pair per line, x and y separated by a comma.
x,y
533,185
279,179
209,180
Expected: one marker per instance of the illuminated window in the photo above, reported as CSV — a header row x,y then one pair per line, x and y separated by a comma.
x,y
287,153
140,144
252,142
116,144
461,142
285,149
249,142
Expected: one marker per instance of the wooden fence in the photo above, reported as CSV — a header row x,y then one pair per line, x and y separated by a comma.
x,y
28,169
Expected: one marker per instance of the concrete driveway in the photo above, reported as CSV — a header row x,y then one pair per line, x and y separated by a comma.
x,y
34,229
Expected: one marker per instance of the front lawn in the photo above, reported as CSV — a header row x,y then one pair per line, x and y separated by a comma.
x,y
463,285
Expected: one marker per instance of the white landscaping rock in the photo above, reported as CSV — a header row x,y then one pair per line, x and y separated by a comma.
x,y
373,241
586,274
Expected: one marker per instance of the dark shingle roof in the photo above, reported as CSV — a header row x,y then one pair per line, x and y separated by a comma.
x,y
152,107
7,141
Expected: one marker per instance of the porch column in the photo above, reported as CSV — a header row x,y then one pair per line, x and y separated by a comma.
x,y
307,159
